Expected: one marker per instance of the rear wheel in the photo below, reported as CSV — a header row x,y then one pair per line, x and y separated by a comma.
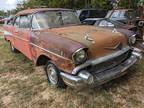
x,y
13,49
53,75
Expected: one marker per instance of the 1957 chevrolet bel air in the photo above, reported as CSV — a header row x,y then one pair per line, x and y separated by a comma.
x,y
74,54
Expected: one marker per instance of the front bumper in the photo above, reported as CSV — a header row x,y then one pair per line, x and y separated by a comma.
x,y
85,78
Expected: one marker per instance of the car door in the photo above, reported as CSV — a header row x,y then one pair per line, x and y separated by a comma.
x,y
16,40
24,34
21,34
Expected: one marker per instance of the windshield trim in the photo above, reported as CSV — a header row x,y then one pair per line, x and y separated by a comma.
x,y
63,25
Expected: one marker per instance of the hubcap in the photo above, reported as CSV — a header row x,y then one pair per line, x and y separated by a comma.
x,y
52,74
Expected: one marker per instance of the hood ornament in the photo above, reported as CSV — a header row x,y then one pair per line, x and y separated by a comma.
x,y
88,38
115,30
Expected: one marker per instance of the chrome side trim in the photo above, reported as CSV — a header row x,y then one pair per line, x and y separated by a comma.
x,y
41,48
7,33
49,51
100,60
21,38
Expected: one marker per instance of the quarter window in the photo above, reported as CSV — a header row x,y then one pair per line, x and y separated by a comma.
x,y
16,24
34,23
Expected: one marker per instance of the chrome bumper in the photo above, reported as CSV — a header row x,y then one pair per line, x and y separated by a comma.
x,y
85,79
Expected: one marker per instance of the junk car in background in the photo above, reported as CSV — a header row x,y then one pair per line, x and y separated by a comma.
x,y
91,13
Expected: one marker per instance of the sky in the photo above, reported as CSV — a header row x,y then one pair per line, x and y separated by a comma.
x,y
8,4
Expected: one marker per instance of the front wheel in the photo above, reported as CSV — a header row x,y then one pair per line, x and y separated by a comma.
x,y
53,75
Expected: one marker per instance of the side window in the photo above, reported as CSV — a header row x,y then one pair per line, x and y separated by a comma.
x,y
84,14
16,23
34,23
24,21
122,14
115,14
10,22
94,13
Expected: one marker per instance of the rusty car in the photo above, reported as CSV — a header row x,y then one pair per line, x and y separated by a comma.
x,y
73,54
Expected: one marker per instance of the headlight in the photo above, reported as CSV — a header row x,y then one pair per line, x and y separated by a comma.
x,y
132,39
79,56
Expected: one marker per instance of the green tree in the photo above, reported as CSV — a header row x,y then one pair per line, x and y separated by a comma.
x,y
76,4
3,13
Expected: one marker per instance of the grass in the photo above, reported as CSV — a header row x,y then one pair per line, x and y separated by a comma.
x,y
22,85
1,32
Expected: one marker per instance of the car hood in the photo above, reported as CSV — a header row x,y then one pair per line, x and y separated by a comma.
x,y
99,41
126,32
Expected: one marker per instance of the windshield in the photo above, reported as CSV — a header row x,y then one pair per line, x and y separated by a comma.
x,y
52,19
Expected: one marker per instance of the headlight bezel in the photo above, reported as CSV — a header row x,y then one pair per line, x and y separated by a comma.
x,y
78,51
132,39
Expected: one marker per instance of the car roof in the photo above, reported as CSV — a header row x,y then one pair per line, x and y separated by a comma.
x,y
30,11
92,9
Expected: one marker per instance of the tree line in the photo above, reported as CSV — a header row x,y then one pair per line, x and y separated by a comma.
x,y
74,4
77,4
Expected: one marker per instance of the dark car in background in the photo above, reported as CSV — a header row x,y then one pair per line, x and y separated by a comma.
x,y
91,13
1,17
91,21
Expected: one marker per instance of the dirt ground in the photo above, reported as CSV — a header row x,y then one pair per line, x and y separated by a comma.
x,y
22,85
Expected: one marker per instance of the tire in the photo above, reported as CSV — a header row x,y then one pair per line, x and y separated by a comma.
x,y
53,75
13,49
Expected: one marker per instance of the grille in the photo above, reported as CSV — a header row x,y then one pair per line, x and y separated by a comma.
x,y
109,64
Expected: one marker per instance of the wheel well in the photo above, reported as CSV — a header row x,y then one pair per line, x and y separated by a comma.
x,y
42,60
7,40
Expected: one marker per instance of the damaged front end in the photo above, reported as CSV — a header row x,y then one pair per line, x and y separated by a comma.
x,y
101,70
